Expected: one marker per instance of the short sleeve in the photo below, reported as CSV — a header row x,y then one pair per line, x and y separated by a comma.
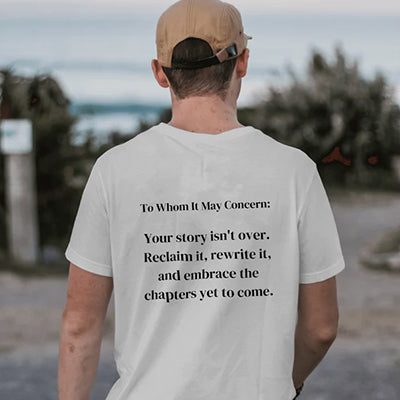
x,y
319,245
89,245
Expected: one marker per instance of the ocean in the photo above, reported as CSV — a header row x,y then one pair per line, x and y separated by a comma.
x,y
103,63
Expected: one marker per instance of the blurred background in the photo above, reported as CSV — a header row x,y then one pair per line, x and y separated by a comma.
x,y
75,80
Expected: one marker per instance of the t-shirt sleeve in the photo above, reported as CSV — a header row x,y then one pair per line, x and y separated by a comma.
x,y
319,245
89,246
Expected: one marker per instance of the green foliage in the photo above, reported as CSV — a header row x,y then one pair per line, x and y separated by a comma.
x,y
334,106
61,168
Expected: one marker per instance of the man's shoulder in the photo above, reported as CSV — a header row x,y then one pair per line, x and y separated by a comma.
x,y
134,148
282,154
145,146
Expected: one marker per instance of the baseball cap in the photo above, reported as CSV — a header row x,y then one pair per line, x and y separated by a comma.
x,y
216,22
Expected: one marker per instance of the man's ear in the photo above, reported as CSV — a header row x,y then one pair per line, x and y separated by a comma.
x,y
159,74
242,63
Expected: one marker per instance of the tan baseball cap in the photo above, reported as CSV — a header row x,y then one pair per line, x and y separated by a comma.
x,y
216,22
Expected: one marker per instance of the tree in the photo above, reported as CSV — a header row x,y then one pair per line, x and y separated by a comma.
x,y
59,164
334,110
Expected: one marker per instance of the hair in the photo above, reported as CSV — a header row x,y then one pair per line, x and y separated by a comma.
x,y
213,79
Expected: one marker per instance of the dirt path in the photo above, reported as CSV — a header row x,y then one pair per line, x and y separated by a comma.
x,y
369,300
364,362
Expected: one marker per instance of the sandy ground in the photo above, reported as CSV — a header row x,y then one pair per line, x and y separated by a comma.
x,y
364,362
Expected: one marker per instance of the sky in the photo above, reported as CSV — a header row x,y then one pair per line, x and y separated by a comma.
x,y
98,7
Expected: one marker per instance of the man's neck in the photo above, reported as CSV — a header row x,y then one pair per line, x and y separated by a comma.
x,y
208,114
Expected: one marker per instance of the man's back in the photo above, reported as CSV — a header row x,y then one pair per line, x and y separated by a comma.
x,y
218,240
209,238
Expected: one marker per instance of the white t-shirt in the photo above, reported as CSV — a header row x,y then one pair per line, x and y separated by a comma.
x,y
207,237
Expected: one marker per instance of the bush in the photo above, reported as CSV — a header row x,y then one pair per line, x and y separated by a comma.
x,y
61,168
334,110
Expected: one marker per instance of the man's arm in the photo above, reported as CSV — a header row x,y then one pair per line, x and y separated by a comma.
x,y
316,326
81,332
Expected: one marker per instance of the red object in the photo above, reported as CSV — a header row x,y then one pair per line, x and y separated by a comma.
x,y
373,160
336,155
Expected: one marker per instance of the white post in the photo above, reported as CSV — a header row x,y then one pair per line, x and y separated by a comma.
x,y
21,202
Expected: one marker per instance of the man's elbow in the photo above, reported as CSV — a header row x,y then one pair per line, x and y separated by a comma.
x,y
322,334
76,324
326,335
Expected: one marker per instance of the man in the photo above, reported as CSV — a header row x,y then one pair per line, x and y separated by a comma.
x,y
219,241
